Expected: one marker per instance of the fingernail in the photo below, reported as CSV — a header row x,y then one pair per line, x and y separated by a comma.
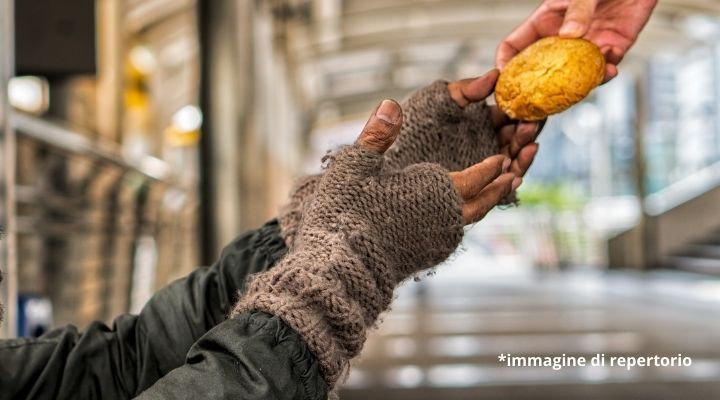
x,y
389,111
506,165
516,183
571,29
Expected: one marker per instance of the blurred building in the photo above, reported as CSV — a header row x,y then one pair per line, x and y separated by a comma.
x,y
132,158
105,144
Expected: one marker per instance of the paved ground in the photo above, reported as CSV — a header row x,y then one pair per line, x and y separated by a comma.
x,y
444,335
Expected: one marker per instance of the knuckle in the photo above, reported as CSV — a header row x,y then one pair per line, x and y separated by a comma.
x,y
507,188
458,179
375,137
468,215
499,165
494,161
480,213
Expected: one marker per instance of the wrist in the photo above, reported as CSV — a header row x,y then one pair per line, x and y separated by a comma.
x,y
327,297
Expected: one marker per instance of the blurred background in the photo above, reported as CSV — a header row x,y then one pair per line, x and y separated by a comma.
x,y
140,136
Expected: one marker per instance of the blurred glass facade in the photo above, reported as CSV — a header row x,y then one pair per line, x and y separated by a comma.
x,y
682,130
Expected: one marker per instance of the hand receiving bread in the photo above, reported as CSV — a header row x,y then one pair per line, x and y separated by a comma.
x,y
364,230
445,123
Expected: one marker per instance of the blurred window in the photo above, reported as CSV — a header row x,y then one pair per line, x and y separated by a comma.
x,y
683,133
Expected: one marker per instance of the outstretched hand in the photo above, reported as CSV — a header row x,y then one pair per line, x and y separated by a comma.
x,y
515,138
613,25
446,124
365,230
480,186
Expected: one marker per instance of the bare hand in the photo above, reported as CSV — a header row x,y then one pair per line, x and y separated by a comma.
x,y
613,25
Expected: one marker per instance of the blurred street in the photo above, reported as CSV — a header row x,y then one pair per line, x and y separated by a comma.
x,y
443,336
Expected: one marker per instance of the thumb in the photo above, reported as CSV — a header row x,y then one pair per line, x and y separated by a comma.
x,y
578,18
382,128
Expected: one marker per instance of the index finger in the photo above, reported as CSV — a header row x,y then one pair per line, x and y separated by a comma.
x,y
520,38
472,180
545,21
489,197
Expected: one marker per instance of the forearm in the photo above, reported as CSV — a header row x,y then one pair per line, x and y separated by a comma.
x,y
181,313
203,298
352,252
252,356
327,295
122,360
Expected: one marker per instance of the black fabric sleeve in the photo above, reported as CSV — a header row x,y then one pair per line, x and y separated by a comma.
x,y
253,356
123,360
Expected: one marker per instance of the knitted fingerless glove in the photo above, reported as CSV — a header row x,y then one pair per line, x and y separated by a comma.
x,y
435,130
365,230
291,212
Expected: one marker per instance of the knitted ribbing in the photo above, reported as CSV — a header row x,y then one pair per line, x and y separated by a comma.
x,y
435,130
364,231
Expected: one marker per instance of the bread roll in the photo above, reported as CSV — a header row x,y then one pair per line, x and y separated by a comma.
x,y
549,77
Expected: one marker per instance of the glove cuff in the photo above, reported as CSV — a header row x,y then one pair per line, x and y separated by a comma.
x,y
325,295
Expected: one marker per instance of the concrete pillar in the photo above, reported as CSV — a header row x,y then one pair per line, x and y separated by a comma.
x,y
8,233
253,126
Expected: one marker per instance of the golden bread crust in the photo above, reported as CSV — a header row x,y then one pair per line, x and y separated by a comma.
x,y
549,77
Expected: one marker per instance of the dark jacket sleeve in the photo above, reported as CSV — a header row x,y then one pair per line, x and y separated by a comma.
x,y
123,360
251,357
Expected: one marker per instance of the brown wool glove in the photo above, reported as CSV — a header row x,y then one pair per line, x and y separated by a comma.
x,y
290,213
436,130
364,231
